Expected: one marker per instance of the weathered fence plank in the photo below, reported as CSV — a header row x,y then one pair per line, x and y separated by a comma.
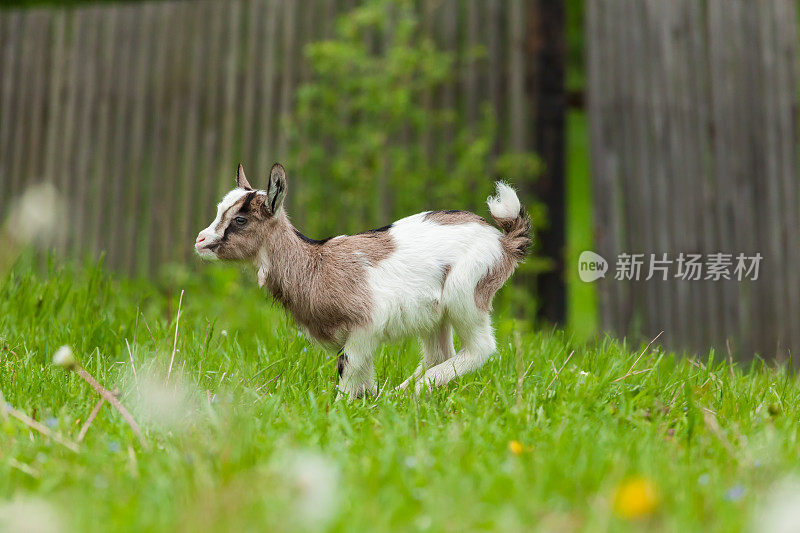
x,y
139,112
693,119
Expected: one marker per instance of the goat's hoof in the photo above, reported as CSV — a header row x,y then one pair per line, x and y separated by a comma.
x,y
357,393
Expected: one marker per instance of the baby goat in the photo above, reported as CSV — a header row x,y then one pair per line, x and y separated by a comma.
x,y
424,275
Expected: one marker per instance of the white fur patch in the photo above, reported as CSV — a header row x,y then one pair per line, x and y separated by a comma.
x,y
409,287
504,204
262,263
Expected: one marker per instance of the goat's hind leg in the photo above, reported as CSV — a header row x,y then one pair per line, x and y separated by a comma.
x,y
478,343
437,347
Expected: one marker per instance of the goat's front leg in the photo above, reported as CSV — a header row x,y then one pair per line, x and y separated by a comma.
x,y
356,368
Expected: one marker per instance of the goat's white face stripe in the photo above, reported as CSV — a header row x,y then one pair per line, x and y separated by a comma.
x,y
231,198
211,235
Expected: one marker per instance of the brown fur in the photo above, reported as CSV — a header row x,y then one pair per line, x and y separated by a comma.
x,y
448,218
445,272
323,284
375,245
492,281
515,242
241,179
516,239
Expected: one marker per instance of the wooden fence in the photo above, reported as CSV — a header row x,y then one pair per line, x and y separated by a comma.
x,y
693,113
139,112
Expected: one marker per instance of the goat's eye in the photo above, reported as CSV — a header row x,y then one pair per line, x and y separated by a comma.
x,y
240,221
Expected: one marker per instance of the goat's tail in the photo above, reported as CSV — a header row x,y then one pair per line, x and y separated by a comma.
x,y
511,217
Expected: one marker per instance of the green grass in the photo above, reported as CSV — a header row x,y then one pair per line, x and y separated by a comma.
x,y
260,443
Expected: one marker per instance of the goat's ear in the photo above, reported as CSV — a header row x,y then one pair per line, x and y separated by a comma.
x,y
241,180
276,190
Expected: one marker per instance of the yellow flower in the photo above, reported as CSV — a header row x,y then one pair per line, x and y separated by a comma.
x,y
635,498
516,447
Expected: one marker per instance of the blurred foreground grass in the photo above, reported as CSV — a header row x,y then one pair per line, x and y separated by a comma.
x,y
246,434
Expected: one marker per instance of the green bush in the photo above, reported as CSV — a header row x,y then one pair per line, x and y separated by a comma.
x,y
367,146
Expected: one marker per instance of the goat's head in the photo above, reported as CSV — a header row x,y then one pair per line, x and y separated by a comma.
x,y
245,218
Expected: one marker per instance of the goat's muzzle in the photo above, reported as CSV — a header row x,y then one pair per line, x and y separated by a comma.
x,y
206,247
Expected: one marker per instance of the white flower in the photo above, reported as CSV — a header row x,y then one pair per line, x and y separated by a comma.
x,y
38,216
64,357
780,512
29,516
169,405
315,480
